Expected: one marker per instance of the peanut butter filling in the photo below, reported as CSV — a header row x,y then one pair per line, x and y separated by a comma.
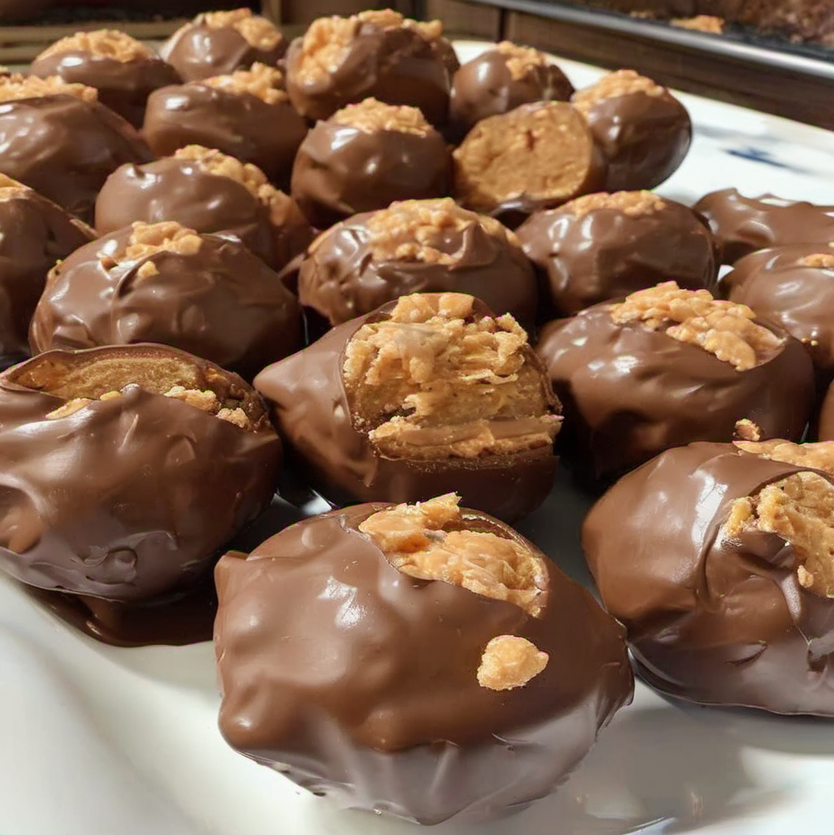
x,y
257,31
818,456
520,59
630,203
371,116
103,43
724,329
710,24
819,260
433,383
259,80
16,86
619,83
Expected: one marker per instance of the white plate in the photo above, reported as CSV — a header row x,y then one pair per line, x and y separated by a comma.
x,y
102,741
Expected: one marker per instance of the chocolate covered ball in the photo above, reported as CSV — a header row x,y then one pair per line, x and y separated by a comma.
x,y
535,157
430,394
643,130
742,225
717,558
415,246
501,79
379,54
244,114
207,191
165,283
34,234
666,367
365,157
218,43
123,70
602,246
57,139
469,679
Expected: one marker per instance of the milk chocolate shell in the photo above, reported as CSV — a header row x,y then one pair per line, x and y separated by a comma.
x,y
165,283
644,375
742,225
720,612
602,246
415,246
125,469
427,395
393,709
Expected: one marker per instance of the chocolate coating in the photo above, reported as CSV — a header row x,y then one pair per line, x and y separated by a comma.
x,y
390,717
825,422
341,170
600,254
180,190
239,124
123,86
629,393
103,503
221,303
65,148
742,225
710,620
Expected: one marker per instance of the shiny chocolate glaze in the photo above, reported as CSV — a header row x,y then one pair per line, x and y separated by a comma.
x,y
629,393
710,620
341,170
221,303
123,86
65,148
127,498
239,124
644,138
313,413
604,253
825,420
34,234
742,225
199,51
178,189
359,682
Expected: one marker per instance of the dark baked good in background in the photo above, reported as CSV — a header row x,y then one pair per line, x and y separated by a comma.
x,y
427,395
220,42
366,156
165,283
207,191
123,70
415,246
642,129
245,114
459,687
602,246
717,558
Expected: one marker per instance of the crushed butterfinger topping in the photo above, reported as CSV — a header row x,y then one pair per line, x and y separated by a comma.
x,y
747,430
257,31
259,80
619,83
510,661
520,59
819,260
630,203
16,86
10,189
371,116
169,236
710,24
817,456
104,43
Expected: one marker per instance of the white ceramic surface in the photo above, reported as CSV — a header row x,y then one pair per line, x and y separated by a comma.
x,y
102,741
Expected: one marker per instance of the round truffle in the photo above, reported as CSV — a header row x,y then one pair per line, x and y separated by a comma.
x,y
643,130
207,191
415,246
165,283
666,367
57,139
379,54
602,246
535,157
458,686
727,585
245,115
123,70
365,157
218,43
501,79
742,225
430,394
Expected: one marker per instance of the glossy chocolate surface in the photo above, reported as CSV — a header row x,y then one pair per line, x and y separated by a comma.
x,y
180,190
603,253
221,303
65,148
710,620
629,393
381,708
742,225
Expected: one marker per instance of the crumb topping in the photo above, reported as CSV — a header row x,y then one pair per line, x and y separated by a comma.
x,y
520,59
619,83
819,260
259,80
371,116
11,189
817,456
257,31
510,661
747,430
724,329
103,43
630,203
710,24
17,86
